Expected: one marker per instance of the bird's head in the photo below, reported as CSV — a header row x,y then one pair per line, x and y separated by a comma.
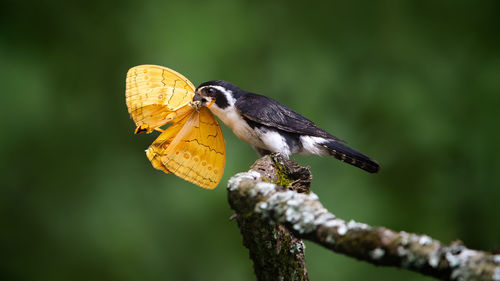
x,y
217,94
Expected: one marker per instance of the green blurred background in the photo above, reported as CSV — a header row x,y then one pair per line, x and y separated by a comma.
x,y
415,85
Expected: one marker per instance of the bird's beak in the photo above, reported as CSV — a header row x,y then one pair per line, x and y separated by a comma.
x,y
197,97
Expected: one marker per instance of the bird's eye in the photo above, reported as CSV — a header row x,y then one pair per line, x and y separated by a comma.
x,y
203,100
210,90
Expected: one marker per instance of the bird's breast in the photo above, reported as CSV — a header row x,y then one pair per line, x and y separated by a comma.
x,y
233,119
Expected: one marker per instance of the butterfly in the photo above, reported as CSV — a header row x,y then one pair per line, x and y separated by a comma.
x,y
192,147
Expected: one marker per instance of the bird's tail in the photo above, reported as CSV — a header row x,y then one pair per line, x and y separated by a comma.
x,y
350,156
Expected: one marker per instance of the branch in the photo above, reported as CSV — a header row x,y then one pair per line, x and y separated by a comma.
x,y
262,209
276,253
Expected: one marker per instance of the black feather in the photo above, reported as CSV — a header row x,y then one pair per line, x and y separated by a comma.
x,y
351,156
273,114
221,100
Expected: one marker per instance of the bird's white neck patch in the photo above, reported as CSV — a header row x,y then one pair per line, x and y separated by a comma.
x,y
227,93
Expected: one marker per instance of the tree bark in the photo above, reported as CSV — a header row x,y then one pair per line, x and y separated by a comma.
x,y
273,218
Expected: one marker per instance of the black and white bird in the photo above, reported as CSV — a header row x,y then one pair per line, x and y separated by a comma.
x,y
269,126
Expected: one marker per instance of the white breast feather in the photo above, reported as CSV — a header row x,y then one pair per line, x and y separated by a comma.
x,y
231,117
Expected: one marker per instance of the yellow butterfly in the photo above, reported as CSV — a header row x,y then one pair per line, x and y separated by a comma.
x,y
192,147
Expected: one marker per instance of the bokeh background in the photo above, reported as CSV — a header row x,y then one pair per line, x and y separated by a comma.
x,y
414,84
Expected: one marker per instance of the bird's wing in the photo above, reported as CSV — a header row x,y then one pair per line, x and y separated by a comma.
x,y
268,112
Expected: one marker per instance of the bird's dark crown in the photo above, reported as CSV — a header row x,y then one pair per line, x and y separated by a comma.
x,y
237,92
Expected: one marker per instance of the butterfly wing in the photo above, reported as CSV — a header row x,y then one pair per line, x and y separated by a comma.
x,y
156,95
159,146
196,152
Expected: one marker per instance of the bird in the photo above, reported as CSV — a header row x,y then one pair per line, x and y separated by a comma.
x,y
271,127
